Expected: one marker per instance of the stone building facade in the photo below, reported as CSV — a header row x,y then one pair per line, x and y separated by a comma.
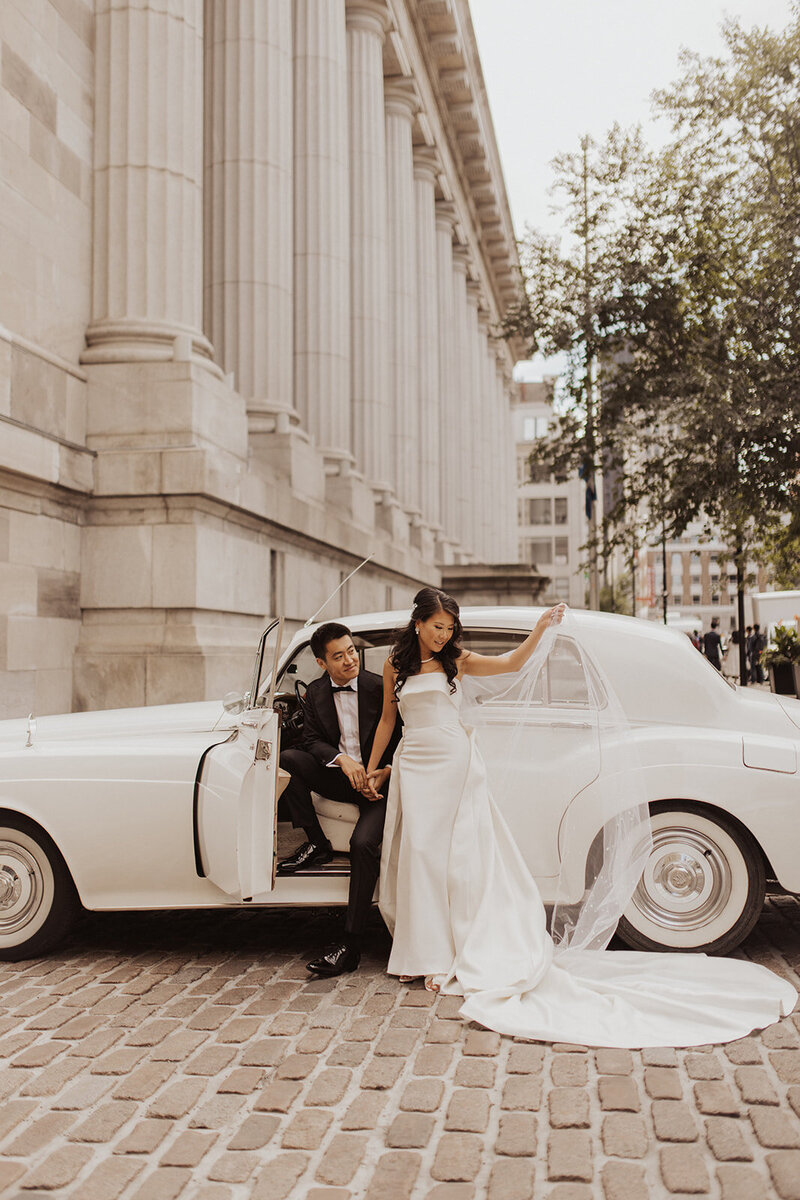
x,y
253,257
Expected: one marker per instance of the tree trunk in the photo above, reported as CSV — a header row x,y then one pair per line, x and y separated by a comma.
x,y
740,615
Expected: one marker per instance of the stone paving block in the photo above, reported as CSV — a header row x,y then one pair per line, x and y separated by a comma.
x,y
477,1072
40,1134
618,1093
145,1137
235,1166
420,997
410,1018
662,1083
216,1113
458,1157
329,1086
422,1095
433,1060
151,1032
569,1108
445,1032
316,1041
716,1099
59,1168
382,1073
278,1096
726,1140
84,1093
569,1070
781,1035
296,1066
52,1079
341,1160
521,1092
516,1135
624,1135
704,1066
784,1170
118,1062
683,1170
569,1155
177,1047
108,1180
659,1056
744,1052
142,1082
177,1099
613,1062
243,1081
395,1175
511,1179
624,1181
793,1096
774,1130
397,1042
40,1054
188,1148
306,1129
572,1191
481,1042
525,1059
365,1111
13,1112
278,1178
786,1064
104,1122
254,1132
449,1008
410,1131
468,1111
755,1086
451,1191
348,1054
673,1121
741,1183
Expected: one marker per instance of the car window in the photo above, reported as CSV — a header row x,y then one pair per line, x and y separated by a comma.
x,y
566,676
303,666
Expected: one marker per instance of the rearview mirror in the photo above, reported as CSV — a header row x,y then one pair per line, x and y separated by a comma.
x,y
234,702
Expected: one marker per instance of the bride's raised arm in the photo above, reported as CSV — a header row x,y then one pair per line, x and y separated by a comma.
x,y
471,663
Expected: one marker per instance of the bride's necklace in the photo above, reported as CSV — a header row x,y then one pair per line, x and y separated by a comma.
x,y
427,660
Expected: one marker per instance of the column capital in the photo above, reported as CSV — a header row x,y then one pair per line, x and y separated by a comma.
x,y
368,16
461,257
400,98
426,164
473,292
445,216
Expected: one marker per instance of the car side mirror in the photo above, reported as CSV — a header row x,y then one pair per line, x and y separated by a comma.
x,y
235,702
291,669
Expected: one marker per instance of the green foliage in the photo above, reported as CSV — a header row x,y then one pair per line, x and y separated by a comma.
x,y
785,647
616,597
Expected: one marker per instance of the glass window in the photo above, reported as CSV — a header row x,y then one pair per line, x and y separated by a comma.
x,y
528,429
540,511
561,551
560,510
715,597
539,551
676,600
695,599
542,426
538,473
561,588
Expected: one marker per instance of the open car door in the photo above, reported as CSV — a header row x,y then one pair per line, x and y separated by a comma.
x,y
236,791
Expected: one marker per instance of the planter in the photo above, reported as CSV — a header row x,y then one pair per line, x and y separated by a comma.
x,y
782,678
796,673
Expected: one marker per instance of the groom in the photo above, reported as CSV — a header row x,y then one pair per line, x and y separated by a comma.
x,y
342,710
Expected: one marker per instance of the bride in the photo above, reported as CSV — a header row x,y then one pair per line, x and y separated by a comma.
x,y
462,906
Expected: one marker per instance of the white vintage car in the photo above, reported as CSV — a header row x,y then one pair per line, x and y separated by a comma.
x,y
176,806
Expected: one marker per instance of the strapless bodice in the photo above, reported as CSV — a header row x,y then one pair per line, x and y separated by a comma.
x,y
426,702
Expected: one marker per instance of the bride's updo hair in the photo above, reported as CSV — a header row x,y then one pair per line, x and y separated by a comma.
x,y
405,656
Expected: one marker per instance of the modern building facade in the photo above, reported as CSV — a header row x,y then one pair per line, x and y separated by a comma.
x,y
253,258
551,519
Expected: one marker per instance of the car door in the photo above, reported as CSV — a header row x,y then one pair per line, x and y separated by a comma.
x,y
552,756
236,792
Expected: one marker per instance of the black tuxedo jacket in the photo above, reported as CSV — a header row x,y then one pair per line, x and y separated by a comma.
x,y
321,731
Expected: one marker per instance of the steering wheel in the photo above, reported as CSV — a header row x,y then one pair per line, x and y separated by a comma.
x,y
300,689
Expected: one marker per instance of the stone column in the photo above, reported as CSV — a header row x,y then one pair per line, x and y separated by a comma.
x,y
403,383
248,170
504,514
460,411
473,472
148,151
367,22
445,295
429,391
322,228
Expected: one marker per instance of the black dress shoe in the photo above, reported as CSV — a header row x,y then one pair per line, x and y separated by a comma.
x,y
308,855
336,961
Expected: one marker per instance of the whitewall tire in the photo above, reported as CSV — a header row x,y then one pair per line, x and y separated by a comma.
x,y
38,901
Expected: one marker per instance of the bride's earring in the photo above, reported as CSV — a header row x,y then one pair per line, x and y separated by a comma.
x,y
416,630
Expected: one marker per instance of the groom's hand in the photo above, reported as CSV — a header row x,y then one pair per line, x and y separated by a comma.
x,y
354,771
375,783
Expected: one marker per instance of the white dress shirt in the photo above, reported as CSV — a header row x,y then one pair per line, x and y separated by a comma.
x,y
347,711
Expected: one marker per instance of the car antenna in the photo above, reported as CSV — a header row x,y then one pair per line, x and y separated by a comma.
x,y
311,620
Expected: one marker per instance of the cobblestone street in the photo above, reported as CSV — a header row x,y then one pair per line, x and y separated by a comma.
x,y
191,1056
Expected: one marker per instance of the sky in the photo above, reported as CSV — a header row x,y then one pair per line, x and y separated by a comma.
x,y
557,69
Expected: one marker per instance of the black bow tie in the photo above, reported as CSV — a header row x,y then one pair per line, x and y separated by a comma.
x,y
345,688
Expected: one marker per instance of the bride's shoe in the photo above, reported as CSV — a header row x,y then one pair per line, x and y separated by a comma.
x,y
431,984
407,978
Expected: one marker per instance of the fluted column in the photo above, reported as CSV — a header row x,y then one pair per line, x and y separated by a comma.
x,y
403,382
427,315
148,151
472,431
505,531
445,296
248,219
367,22
487,433
460,413
322,227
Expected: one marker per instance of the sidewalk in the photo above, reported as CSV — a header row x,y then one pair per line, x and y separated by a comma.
x,y
189,1055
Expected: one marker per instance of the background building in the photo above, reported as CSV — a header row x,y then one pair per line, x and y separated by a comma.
x,y
252,257
551,517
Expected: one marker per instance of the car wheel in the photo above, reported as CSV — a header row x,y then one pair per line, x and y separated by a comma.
x,y
703,886
38,901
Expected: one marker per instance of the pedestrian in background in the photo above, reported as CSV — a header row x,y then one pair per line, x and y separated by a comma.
x,y
755,647
712,644
747,635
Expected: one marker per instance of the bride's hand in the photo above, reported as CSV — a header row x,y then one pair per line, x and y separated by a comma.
x,y
552,616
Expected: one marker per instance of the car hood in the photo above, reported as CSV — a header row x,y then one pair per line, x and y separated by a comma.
x,y
114,723
791,707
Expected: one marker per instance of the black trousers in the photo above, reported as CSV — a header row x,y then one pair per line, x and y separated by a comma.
x,y
307,776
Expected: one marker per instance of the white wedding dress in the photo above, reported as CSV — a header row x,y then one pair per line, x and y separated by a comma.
x,y
463,906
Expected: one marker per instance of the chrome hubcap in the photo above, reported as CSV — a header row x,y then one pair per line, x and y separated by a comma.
x,y
687,881
21,887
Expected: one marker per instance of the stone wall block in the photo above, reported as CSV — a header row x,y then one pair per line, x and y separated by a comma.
x,y
117,566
